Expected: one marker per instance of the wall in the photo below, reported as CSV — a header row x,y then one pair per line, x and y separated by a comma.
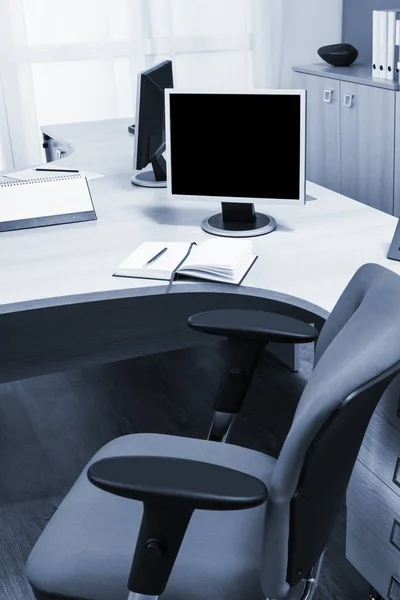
x,y
288,33
308,25
357,24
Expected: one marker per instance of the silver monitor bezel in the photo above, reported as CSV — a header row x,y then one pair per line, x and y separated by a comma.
x,y
302,178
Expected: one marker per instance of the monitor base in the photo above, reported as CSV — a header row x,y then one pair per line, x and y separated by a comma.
x,y
260,226
147,179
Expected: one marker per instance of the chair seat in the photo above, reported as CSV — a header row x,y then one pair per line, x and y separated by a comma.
x,y
86,550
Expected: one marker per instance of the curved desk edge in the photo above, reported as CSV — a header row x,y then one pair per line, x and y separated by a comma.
x,y
298,303
47,336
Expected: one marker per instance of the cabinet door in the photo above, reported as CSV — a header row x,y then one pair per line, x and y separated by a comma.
x,y
323,129
367,144
396,199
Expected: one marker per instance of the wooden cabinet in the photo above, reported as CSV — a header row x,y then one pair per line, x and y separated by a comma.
x,y
351,135
367,144
373,500
353,147
323,129
396,199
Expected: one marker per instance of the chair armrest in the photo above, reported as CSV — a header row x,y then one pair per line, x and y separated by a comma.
x,y
177,482
171,489
253,325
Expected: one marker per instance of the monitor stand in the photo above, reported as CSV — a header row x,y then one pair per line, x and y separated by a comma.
x,y
239,220
155,177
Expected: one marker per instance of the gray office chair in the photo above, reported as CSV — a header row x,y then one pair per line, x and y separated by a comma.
x,y
217,521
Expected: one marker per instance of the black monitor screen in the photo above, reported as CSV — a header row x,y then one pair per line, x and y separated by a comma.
x,y
236,145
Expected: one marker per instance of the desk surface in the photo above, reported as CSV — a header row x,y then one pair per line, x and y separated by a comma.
x,y
100,146
313,253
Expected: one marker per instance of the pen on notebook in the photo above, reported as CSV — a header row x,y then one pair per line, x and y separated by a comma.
x,y
60,170
155,257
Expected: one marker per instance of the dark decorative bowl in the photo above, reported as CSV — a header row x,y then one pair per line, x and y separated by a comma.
x,y
338,55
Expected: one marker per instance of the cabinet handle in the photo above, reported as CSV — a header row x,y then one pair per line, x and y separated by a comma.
x,y
396,474
328,95
348,100
395,534
394,589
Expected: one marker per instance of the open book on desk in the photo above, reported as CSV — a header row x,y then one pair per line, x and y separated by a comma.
x,y
222,260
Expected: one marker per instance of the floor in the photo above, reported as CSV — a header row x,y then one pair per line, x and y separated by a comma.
x,y
51,426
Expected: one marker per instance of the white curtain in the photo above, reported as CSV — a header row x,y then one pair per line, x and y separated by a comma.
x,y
19,127
78,60
267,27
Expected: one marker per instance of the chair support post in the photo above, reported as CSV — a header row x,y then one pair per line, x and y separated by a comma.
x,y
240,364
221,426
311,581
160,536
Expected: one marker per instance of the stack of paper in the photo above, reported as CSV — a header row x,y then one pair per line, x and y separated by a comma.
x,y
385,43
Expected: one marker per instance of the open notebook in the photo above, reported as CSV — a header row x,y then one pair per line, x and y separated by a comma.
x,y
223,260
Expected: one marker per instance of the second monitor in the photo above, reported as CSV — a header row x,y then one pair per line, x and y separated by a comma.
x,y
150,125
238,148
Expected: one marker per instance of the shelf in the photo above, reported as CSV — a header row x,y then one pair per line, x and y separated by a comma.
x,y
356,73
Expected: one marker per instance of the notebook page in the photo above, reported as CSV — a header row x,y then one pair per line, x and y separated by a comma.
x,y
218,254
226,277
167,262
50,197
230,272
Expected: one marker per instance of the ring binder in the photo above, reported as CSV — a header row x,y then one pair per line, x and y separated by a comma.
x,y
62,199
38,180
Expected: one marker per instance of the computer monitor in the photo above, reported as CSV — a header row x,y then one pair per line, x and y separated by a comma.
x,y
150,125
238,148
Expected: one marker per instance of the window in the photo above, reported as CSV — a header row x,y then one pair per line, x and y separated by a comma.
x,y
86,55
75,61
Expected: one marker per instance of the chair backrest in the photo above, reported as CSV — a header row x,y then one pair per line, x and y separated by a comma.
x,y
357,355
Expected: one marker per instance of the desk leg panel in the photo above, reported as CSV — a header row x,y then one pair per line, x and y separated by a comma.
x,y
83,331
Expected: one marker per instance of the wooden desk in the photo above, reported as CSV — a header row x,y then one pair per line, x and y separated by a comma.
x,y
60,307
99,146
